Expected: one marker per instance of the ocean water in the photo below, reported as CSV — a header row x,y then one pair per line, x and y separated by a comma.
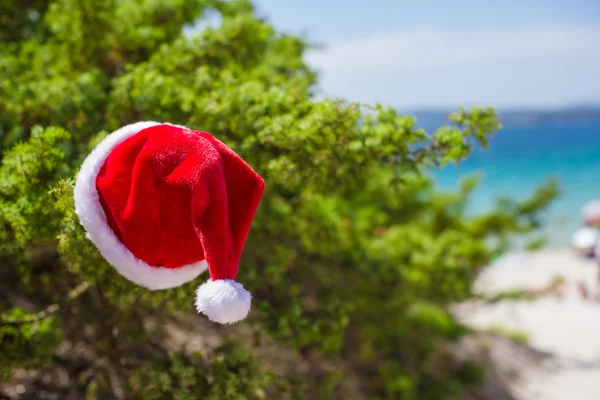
x,y
519,158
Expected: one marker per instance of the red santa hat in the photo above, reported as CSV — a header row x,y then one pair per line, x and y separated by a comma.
x,y
162,203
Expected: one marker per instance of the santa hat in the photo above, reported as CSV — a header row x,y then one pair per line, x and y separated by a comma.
x,y
162,203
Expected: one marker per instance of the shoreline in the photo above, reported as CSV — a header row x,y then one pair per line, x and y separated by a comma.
x,y
564,323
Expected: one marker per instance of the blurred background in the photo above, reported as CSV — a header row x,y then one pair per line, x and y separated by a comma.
x,y
536,62
421,236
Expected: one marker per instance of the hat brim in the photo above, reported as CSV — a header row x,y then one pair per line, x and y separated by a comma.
x,y
92,217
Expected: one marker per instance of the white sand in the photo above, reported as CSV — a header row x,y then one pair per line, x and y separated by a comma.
x,y
568,328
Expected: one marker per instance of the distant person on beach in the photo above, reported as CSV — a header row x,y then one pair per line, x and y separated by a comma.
x,y
586,239
590,214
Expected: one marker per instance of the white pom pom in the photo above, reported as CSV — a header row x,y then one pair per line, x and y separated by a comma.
x,y
223,301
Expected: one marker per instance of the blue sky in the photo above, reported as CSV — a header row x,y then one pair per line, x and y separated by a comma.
x,y
438,53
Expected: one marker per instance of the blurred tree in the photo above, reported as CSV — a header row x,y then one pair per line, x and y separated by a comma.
x,y
353,256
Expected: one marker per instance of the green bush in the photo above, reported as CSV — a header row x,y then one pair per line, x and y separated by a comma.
x,y
353,256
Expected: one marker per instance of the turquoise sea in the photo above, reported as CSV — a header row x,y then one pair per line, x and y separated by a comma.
x,y
520,157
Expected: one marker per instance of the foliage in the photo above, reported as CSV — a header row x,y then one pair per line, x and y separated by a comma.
x,y
231,373
353,256
26,345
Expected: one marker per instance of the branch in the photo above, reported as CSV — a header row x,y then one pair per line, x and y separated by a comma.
x,y
51,309
25,172
114,379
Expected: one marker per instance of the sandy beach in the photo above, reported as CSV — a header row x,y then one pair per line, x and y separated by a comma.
x,y
563,324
